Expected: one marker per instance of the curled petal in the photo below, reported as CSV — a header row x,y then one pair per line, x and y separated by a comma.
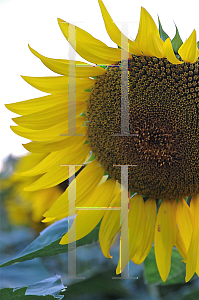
x,y
115,34
148,38
169,53
189,51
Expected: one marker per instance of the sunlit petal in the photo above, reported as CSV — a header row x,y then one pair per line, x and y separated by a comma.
x,y
189,51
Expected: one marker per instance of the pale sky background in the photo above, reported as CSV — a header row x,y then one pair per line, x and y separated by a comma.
x,y
34,22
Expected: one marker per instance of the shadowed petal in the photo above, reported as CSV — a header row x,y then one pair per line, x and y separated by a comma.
x,y
192,265
165,237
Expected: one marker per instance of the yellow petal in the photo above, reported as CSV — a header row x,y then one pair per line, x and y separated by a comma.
x,y
58,173
51,178
189,51
61,66
85,184
58,143
184,222
149,231
110,225
169,53
192,264
48,197
115,34
29,161
148,38
165,237
104,178
180,245
155,45
49,117
136,221
89,47
41,103
46,134
46,164
53,158
57,84
100,198
47,220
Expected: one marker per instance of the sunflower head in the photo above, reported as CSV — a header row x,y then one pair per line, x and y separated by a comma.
x,y
137,107
163,135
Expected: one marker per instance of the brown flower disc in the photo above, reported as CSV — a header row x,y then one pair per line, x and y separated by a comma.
x,y
163,112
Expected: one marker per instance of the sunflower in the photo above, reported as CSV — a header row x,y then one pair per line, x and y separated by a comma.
x,y
27,208
136,107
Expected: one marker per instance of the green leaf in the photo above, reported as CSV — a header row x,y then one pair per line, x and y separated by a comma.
x,y
47,243
102,66
163,34
88,90
92,157
177,272
188,292
19,294
176,41
198,44
192,295
11,294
